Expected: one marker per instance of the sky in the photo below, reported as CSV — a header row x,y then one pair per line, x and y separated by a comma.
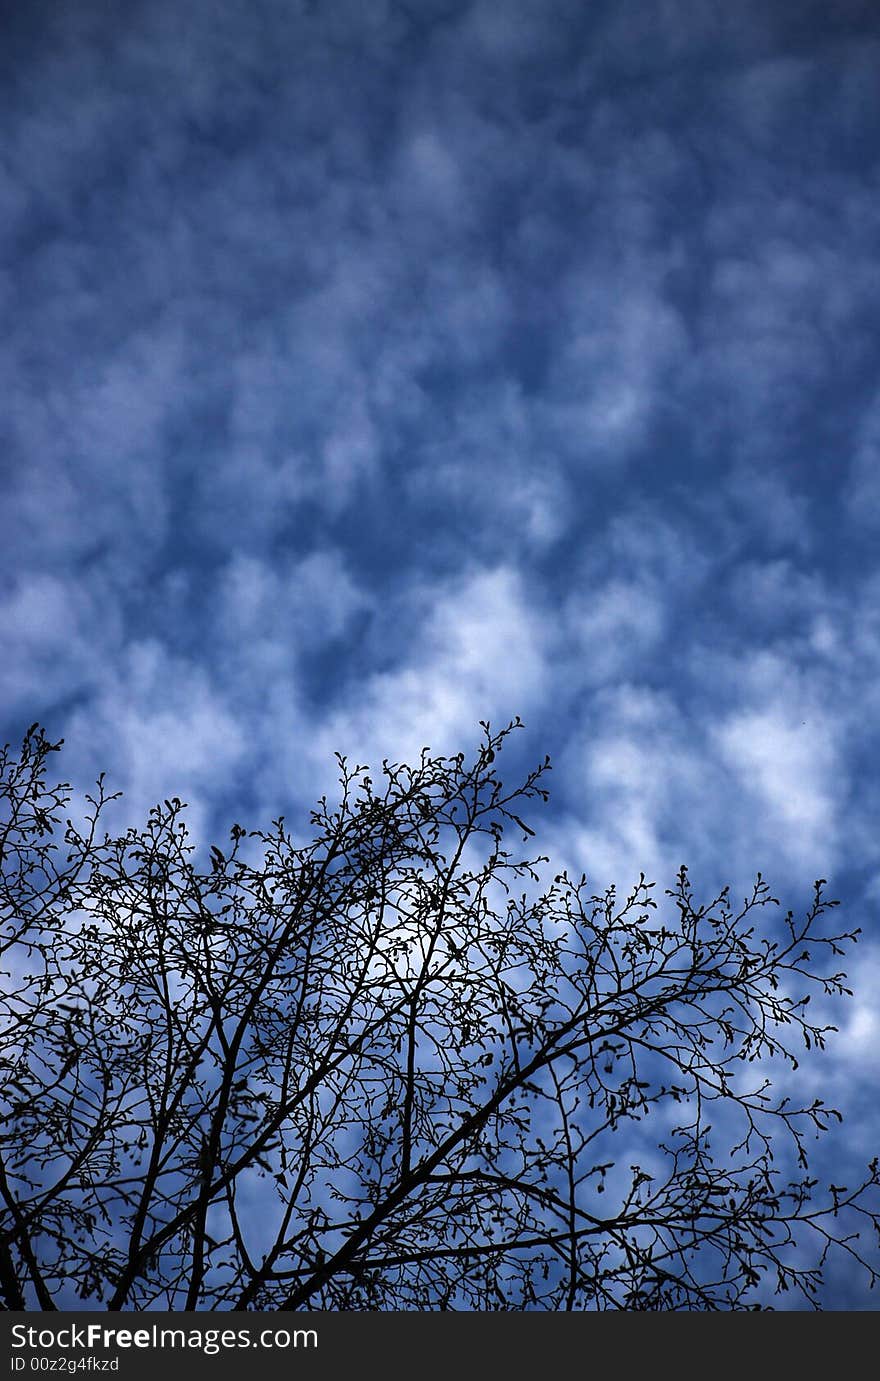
x,y
368,370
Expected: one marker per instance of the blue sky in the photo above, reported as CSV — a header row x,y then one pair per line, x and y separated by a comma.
x,y
369,370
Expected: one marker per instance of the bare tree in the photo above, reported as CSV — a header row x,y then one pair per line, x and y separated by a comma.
x,y
392,1068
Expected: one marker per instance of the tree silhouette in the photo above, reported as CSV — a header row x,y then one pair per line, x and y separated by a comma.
x,y
395,1068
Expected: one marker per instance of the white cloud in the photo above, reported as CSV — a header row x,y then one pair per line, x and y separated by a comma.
x,y
57,635
636,788
614,629
477,653
292,606
790,770
164,730
620,343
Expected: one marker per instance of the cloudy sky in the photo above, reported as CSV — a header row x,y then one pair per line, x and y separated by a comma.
x,y
369,369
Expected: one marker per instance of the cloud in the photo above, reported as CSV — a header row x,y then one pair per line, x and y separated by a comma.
x,y
787,768
476,653
58,635
166,730
293,605
369,371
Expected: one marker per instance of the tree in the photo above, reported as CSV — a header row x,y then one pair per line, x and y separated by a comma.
x,y
392,1068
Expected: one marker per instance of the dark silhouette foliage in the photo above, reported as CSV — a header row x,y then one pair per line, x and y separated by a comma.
x,y
396,1067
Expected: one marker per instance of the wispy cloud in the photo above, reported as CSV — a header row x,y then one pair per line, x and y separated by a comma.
x,y
367,371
